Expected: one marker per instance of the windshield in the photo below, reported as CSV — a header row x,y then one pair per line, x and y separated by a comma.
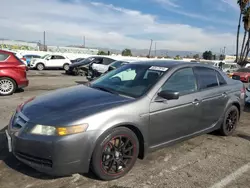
x,y
43,57
132,80
117,64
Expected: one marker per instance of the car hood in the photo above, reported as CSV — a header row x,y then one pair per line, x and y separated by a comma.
x,y
64,106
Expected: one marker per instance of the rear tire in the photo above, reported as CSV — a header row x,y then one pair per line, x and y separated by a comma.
x,y
40,66
230,121
7,86
115,153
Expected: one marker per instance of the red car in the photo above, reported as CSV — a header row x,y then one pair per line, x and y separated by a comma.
x,y
243,74
12,73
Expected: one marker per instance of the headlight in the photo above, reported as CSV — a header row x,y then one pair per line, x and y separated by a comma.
x,y
58,131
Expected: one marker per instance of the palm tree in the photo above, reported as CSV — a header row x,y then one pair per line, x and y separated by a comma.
x,y
245,44
242,4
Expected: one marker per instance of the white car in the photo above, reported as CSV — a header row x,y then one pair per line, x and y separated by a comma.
x,y
247,100
50,61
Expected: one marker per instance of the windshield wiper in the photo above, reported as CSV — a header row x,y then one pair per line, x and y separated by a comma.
x,y
105,89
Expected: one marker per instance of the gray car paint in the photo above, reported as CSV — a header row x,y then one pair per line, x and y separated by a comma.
x,y
160,123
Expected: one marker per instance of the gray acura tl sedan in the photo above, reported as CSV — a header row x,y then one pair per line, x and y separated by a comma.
x,y
110,122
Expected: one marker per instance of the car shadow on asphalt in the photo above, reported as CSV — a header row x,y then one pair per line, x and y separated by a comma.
x,y
244,136
20,90
247,108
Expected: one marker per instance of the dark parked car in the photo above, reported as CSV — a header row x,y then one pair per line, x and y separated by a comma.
x,y
77,60
12,73
94,74
123,115
82,67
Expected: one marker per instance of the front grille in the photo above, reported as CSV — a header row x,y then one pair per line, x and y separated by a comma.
x,y
36,160
19,121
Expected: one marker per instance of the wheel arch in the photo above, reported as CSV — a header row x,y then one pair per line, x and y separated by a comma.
x,y
40,63
7,76
135,130
139,136
238,106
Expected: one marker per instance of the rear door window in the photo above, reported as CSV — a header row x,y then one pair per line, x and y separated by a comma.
x,y
3,56
221,80
207,77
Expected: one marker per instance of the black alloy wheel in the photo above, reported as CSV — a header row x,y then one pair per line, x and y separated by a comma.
x,y
230,121
116,154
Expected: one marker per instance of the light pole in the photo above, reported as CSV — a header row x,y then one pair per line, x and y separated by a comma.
x,y
150,47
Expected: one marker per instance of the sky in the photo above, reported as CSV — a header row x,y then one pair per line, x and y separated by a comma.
x,y
190,25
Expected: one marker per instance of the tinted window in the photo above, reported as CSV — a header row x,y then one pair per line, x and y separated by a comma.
x,y
98,60
59,57
182,81
221,80
207,77
3,57
107,61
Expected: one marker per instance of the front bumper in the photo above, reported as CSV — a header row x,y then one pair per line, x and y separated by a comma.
x,y
53,155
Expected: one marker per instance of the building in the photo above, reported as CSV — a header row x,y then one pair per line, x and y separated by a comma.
x,y
36,46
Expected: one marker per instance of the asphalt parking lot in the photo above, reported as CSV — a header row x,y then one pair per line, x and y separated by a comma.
x,y
208,161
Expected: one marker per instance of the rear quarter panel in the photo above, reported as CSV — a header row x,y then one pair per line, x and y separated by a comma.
x,y
235,94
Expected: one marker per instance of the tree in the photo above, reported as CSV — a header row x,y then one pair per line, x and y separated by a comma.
x,y
177,57
126,52
208,55
242,4
196,56
245,15
102,53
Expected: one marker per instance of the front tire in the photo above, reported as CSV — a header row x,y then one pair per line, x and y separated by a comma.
x,y
40,66
7,86
230,121
115,154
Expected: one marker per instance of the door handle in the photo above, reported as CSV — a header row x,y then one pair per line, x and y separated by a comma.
x,y
196,102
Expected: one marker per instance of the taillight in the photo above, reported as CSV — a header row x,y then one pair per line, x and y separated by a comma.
x,y
23,58
243,90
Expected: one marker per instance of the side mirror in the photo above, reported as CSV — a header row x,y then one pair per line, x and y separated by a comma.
x,y
169,94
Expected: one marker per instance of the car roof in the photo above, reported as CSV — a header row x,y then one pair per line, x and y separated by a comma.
x,y
168,64
31,55
7,52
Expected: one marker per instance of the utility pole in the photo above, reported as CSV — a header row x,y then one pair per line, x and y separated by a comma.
x,y
150,47
224,50
44,49
83,41
155,48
